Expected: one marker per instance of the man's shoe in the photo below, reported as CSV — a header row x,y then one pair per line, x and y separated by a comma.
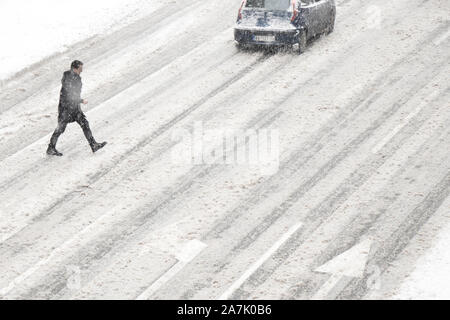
x,y
97,146
51,151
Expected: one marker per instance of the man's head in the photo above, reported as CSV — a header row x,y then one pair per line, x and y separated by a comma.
x,y
77,66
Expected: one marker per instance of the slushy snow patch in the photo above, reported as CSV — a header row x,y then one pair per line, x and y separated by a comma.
x,y
33,30
431,277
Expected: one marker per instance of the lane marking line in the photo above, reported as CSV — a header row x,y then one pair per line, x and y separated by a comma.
x,y
329,285
247,274
404,122
442,38
87,230
186,255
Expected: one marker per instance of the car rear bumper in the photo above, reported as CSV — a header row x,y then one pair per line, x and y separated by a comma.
x,y
281,37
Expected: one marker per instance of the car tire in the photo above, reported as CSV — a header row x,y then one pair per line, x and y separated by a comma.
x,y
302,42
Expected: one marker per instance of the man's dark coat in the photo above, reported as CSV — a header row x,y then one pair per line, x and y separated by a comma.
x,y
70,97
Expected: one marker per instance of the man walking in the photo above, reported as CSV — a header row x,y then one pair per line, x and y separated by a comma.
x,y
69,109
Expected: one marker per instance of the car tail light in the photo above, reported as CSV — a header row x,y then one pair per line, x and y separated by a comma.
x,y
240,11
294,11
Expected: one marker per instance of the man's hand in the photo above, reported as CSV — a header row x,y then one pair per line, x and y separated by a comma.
x,y
84,102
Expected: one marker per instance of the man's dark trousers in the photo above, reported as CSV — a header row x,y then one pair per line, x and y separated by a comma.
x,y
64,119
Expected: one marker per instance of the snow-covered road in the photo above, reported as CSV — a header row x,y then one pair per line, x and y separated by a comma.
x,y
364,145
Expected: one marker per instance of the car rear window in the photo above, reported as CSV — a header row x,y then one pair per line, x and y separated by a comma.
x,y
269,4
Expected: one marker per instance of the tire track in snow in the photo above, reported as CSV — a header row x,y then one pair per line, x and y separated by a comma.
x,y
392,111
317,143
322,212
322,71
93,49
153,136
153,62
318,75
261,228
123,232
395,244
8,183
130,114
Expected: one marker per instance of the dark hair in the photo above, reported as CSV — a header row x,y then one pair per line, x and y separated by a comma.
x,y
76,64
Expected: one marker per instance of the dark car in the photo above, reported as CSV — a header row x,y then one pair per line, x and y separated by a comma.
x,y
283,22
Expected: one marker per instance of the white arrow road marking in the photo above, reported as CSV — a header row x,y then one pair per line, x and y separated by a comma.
x,y
352,263
236,285
186,255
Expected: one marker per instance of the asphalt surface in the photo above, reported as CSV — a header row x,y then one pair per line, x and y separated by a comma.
x,y
362,132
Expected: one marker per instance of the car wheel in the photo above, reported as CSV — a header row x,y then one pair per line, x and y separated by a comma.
x,y
302,42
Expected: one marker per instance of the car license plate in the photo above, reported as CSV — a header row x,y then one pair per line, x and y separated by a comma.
x,y
264,38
